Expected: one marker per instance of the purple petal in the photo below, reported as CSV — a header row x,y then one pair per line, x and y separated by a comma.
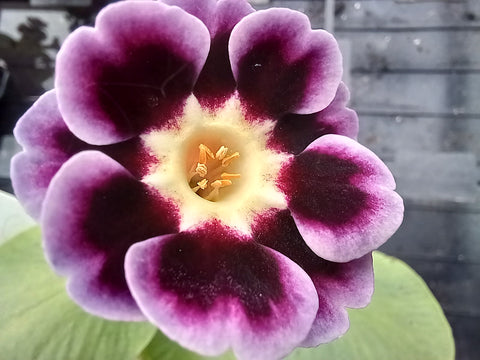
x,y
94,210
212,288
131,73
31,174
42,130
341,197
294,132
281,65
216,82
338,285
48,143
205,10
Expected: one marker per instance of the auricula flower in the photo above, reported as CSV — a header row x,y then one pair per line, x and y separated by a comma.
x,y
195,166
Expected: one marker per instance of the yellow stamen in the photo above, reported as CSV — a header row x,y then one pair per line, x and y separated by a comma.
x,y
220,183
217,184
226,161
229,176
200,185
201,170
204,151
221,152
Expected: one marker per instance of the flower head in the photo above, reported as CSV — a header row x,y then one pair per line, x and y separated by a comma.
x,y
196,166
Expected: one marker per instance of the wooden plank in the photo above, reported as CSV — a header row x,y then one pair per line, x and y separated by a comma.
x,y
388,14
387,135
428,50
437,235
456,286
416,93
314,9
391,14
466,331
432,177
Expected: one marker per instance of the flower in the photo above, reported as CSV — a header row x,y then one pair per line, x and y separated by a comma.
x,y
196,166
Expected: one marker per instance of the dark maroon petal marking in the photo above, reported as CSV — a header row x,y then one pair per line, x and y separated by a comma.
x,y
132,154
48,143
93,212
338,285
216,82
131,73
341,197
212,288
188,272
294,132
281,65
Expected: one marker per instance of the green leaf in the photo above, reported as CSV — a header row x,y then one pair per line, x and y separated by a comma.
x,y
13,219
162,348
38,321
403,321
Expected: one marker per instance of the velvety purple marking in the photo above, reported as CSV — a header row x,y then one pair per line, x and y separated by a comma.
x,y
267,82
212,262
279,232
121,212
93,212
338,284
281,65
216,82
132,154
48,143
294,132
132,72
212,289
318,187
146,90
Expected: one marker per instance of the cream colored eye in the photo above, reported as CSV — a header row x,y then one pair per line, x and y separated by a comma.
x,y
217,166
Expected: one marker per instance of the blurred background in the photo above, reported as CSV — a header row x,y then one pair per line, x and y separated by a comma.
x,y
413,67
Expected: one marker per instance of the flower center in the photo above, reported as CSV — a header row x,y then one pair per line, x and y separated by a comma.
x,y
209,175
215,165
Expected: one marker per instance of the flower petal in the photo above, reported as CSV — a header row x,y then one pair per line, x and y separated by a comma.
x,y
31,174
204,10
338,285
132,72
216,82
48,143
341,197
281,65
42,130
212,288
294,132
94,210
